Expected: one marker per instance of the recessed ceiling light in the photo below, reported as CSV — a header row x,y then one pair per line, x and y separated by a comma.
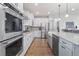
x,y
36,4
73,9
67,15
37,12
48,12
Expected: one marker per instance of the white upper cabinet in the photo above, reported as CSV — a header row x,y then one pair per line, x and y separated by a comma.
x,y
19,6
2,24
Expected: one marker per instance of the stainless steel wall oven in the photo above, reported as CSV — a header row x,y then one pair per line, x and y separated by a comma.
x,y
14,48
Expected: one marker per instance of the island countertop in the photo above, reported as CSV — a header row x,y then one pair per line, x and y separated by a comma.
x,y
71,37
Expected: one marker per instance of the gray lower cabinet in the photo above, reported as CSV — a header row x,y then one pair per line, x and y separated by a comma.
x,y
62,46
65,48
75,50
50,41
64,52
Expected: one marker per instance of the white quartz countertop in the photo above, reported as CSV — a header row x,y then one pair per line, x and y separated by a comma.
x,y
72,37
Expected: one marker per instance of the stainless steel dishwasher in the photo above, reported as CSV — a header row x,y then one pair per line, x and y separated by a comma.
x,y
55,44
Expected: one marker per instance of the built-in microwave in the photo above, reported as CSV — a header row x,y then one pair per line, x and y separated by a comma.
x,y
12,23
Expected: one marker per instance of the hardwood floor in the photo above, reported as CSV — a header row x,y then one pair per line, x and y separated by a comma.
x,y
39,47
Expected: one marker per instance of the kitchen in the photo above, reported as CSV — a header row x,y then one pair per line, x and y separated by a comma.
x,y
39,29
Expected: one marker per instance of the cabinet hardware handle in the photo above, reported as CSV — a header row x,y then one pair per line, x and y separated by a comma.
x,y
5,43
63,47
64,42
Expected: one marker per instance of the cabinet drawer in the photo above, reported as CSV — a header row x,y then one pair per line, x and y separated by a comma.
x,y
64,51
66,43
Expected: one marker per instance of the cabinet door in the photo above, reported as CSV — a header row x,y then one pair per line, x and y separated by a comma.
x,y
76,50
49,40
63,51
49,43
24,42
2,50
2,25
37,34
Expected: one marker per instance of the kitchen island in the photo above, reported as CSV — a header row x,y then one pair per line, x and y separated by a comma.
x,y
68,44
71,37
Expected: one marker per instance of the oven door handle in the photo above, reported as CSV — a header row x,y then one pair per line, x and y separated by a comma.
x,y
5,43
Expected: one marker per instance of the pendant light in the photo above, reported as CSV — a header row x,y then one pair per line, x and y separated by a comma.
x,y
59,12
67,15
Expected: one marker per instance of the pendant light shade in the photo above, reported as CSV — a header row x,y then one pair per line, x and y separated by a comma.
x,y
67,15
59,12
59,19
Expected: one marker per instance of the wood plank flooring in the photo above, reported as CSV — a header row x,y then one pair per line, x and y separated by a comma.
x,y
39,47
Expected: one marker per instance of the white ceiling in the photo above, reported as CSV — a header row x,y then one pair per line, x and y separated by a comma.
x,y
53,8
